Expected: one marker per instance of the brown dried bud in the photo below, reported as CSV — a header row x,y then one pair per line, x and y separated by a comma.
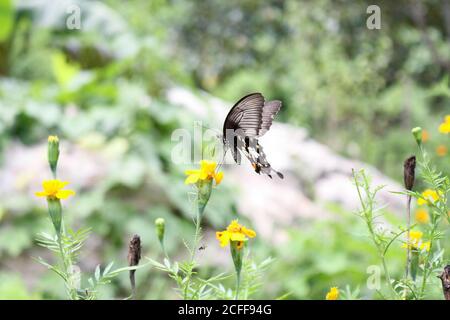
x,y
134,251
409,172
445,279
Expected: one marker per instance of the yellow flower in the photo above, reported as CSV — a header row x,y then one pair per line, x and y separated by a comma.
x,y
425,246
416,243
445,126
234,232
441,150
207,171
53,190
333,294
428,196
422,216
415,235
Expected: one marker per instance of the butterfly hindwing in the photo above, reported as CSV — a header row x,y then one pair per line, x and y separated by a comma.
x,y
269,112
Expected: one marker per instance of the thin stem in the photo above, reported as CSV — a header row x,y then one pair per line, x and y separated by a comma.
x,y
65,260
427,258
133,284
238,285
408,241
408,257
193,251
367,210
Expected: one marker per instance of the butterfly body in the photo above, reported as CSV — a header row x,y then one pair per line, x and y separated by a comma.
x,y
249,119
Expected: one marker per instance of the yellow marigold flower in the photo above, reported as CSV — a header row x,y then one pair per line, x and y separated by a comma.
x,y
428,196
445,126
441,150
416,243
234,232
333,294
207,171
54,189
422,216
425,135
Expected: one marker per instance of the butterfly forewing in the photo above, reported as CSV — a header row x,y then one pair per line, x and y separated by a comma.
x,y
246,115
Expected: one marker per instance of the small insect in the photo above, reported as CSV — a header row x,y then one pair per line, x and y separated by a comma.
x,y
249,119
203,247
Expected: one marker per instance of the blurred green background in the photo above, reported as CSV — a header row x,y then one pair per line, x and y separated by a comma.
x,y
102,88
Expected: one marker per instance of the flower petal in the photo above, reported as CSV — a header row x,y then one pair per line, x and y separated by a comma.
x,y
203,175
48,185
207,169
223,237
218,177
61,184
249,232
193,178
237,236
64,194
40,194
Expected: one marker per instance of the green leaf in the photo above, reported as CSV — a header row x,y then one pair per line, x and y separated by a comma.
x,y
97,273
108,268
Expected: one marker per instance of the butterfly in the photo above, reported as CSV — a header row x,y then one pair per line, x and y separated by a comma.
x,y
249,119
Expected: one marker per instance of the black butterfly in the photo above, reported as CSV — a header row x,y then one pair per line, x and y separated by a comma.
x,y
249,119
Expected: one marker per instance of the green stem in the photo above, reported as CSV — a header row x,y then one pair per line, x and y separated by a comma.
x,y
67,263
408,240
238,285
388,277
193,251
427,258
203,194
367,212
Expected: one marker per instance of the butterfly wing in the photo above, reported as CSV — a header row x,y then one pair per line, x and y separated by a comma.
x,y
245,116
251,117
254,152
269,112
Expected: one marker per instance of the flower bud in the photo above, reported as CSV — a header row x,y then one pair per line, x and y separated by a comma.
x,y
134,251
417,133
160,225
53,153
409,168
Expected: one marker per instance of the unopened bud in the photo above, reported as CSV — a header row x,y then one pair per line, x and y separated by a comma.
x,y
53,153
417,133
160,225
409,168
134,251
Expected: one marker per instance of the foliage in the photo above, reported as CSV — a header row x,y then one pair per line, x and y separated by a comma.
x,y
102,90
